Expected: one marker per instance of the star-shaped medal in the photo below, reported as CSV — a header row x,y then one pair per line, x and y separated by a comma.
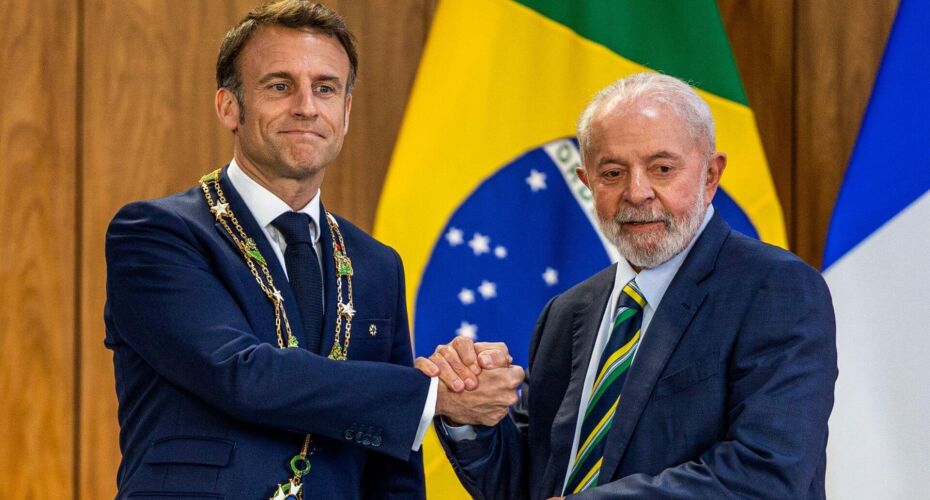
x,y
286,491
346,310
277,294
220,210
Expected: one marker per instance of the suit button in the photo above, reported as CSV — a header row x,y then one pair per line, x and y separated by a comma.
x,y
366,440
376,441
349,435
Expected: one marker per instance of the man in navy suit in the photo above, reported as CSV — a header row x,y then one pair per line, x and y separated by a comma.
x,y
261,345
724,381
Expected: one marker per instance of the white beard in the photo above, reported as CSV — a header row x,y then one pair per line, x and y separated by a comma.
x,y
646,251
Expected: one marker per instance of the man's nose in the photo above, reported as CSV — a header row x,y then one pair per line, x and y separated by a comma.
x,y
640,188
304,104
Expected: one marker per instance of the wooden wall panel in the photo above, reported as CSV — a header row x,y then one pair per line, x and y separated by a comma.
x,y
149,130
761,35
839,49
38,96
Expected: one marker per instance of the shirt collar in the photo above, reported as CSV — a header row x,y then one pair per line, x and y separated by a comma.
x,y
265,205
654,282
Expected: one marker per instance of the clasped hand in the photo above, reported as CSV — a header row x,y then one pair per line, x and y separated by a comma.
x,y
479,383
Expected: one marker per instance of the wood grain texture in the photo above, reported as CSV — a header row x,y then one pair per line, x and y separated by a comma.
x,y
839,49
761,36
149,130
38,57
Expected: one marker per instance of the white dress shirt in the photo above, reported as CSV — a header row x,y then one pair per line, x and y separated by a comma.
x,y
266,207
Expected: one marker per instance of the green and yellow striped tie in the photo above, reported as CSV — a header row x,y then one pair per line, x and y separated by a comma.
x,y
605,392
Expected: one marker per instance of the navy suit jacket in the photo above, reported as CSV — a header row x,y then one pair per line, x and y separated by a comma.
x,y
210,407
728,396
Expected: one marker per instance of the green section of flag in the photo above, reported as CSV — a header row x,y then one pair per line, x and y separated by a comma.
x,y
682,38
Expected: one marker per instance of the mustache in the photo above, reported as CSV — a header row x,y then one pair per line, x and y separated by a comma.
x,y
641,215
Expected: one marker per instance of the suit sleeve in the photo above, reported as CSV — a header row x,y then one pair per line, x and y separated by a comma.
x,y
167,304
496,463
388,477
781,379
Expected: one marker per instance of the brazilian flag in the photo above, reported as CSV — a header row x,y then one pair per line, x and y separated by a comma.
x,y
481,198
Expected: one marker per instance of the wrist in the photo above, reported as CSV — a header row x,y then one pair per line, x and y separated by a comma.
x,y
451,423
443,406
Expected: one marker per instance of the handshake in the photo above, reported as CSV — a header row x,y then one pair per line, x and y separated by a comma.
x,y
478,383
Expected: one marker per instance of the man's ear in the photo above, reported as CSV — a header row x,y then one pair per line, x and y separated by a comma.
x,y
715,167
227,108
348,110
583,176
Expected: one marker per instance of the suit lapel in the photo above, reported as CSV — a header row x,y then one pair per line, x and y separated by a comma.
x,y
585,324
251,227
679,305
329,284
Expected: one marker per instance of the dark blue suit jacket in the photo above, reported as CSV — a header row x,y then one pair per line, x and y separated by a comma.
x,y
728,396
210,407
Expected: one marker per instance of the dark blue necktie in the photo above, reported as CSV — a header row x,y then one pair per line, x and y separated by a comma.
x,y
303,273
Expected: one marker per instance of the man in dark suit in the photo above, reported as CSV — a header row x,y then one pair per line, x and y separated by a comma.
x,y
260,343
701,365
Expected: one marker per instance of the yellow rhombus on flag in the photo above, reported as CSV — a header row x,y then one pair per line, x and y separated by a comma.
x,y
481,199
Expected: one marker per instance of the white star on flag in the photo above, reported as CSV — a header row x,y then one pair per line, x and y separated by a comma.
x,y
466,296
536,180
500,252
467,330
487,290
455,237
480,244
551,276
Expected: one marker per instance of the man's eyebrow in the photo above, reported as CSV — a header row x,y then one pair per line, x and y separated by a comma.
x,y
664,155
611,160
329,79
288,76
274,76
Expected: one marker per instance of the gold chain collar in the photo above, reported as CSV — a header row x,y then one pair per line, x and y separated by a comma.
x,y
257,262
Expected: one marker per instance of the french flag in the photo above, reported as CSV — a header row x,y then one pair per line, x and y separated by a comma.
x,y
877,264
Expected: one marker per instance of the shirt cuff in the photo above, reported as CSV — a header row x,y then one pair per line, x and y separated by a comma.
x,y
459,433
429,409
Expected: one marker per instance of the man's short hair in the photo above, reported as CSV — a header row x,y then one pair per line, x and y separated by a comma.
x,y
658,88
297,14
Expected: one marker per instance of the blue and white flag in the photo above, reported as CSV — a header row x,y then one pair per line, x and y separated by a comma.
x,y
877,263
